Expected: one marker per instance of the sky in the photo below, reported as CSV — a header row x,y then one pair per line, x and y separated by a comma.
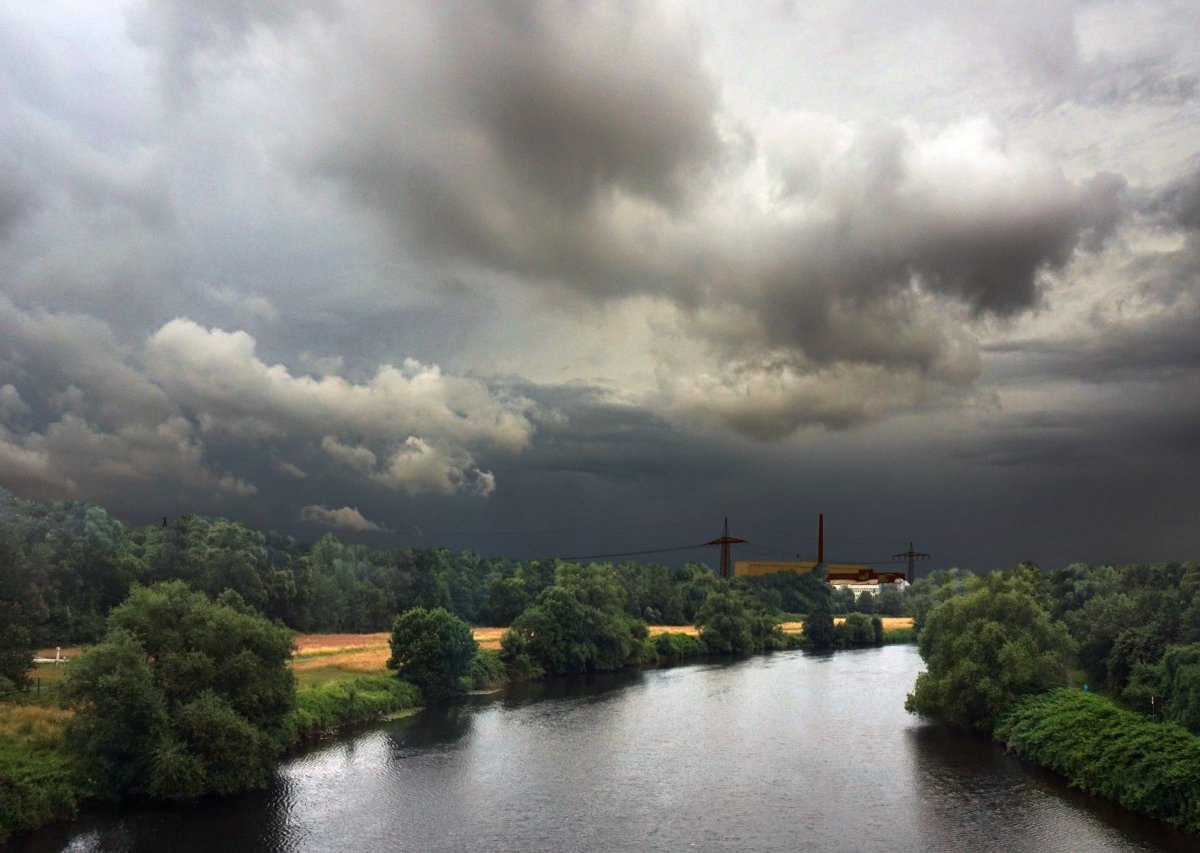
x,y
586,278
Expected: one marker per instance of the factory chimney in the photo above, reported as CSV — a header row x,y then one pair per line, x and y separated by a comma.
x,y
821,538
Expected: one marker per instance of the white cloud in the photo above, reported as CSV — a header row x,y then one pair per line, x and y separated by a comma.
x,y
291,470
342,518
358,459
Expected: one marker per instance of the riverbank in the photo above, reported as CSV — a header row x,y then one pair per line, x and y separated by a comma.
x,y
1149,767
341,681
770,753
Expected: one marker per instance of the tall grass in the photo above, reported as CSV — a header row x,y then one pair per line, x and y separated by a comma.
x,y
322,708
37,784
898,636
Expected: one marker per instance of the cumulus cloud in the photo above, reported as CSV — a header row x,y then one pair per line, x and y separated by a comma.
x,y
359,459
290,469
100,414
342,518
13,409
425,424
72,458
586,151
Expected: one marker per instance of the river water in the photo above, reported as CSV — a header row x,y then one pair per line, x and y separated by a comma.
x,y
781,752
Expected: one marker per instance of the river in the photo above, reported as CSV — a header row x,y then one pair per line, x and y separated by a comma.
x,y
780,752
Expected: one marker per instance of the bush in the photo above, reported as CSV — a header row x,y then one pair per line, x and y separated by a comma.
x,y
858,630
1149,767
487,671
37,785
670,647
983,651
731,623
183,697
320,710
897,636
432,649
577,625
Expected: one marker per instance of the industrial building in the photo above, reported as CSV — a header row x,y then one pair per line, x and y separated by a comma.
x,y
856,576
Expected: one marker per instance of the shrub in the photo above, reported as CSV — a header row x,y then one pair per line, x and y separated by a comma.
x,y
432,649
1149,767
671,646
487,670
984,650
323,708
183,697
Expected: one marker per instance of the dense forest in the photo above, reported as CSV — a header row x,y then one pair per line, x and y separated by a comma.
x,y
64,566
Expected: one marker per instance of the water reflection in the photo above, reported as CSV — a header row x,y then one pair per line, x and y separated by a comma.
x,y
964,777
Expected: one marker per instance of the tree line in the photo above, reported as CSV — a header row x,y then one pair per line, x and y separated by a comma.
x,y
65,565
1092,671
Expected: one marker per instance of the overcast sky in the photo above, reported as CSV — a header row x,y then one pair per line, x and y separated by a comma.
x,y
584,278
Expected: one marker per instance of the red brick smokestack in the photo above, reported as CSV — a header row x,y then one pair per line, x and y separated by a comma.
x,y
821,538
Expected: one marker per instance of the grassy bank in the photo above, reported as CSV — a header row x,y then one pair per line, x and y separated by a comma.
x,y
1149,767
323,708
37,784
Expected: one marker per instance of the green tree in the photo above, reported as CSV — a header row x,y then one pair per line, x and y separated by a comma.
x,y
843,600
857,630
891,601
930,591
183,697
865,603
725,627
819,632
433,649
1173,682
16,641
577,625
984,650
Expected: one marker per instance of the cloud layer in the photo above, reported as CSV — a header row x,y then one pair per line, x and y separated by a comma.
x,y
119,416
336,261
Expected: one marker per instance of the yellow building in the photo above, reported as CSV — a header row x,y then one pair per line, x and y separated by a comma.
x,y
839,574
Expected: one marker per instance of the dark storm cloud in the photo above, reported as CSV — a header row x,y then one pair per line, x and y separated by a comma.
x,y
1181,200
1155,342
501,133
1152,351
583,151
1054,439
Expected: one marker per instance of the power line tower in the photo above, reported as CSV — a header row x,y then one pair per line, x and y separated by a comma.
x,y
725,541
911,556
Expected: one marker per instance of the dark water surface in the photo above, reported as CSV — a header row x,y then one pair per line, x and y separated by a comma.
x,y
782,752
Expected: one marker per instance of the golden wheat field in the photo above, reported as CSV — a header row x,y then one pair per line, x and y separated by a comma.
x,y
361,653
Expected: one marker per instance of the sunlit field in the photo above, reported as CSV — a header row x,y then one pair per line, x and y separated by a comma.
x,y
320,658
323,657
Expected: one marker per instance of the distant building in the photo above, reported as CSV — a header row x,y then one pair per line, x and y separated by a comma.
x,y
858,577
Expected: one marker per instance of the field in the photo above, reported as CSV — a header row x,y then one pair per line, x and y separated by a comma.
x,y
320,658
324,657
